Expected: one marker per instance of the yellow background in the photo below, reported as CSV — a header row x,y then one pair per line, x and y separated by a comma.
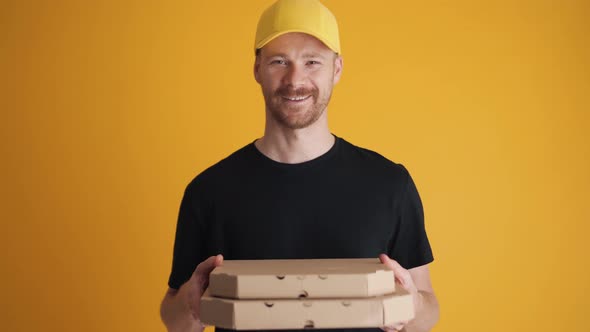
x,y
109,108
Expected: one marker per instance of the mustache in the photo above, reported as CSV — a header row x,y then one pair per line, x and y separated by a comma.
x,y
287,91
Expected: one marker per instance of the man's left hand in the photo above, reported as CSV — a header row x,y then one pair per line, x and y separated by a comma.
x,y
403,279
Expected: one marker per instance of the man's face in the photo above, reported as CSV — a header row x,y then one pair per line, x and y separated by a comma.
x,y
297,73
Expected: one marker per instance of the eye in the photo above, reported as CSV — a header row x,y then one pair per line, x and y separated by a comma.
x,y
313,62
278,62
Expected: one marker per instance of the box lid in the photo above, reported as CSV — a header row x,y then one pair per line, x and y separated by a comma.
x,y
307,313
313,278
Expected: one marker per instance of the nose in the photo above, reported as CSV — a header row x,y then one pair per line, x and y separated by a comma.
x,y
295,75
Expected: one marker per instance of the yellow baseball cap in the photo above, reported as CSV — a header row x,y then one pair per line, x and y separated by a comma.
x,y
307,16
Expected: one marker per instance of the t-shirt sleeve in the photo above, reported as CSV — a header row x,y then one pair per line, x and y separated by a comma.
x,y
188,240
410,246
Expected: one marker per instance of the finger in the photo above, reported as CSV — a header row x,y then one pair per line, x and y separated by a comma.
x,y
390,262
394,265
395,327
401,275
206,266
203,270
389,329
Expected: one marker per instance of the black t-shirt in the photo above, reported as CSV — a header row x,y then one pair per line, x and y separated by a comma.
x,y
348,203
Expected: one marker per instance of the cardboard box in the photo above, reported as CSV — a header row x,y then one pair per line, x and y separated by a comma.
x,y
312,278
307,313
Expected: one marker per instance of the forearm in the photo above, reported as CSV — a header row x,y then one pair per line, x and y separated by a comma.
x,y
176,314
427,313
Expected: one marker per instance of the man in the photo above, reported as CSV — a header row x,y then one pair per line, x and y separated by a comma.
x,y
299,191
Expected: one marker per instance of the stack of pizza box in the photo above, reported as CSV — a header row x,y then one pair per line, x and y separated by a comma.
x,y
297,294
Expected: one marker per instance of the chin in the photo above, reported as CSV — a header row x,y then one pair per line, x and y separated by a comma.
x,y
298,121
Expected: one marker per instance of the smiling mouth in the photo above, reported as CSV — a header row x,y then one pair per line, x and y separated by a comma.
x,y
296,99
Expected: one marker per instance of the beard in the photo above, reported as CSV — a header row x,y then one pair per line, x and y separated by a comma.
x,y
294,116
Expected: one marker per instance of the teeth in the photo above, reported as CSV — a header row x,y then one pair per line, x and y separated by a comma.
x,y
297,98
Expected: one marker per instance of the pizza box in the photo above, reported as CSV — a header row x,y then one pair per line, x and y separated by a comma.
x,y
306,313
295,278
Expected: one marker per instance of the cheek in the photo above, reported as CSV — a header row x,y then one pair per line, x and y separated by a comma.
x,y
270,81
268,88
324,84
323,79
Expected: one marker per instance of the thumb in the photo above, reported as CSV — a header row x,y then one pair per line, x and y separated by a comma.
x,y
205,267
398,271
394,265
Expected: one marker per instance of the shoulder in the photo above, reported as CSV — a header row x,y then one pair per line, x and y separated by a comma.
x,y
372,161
223,170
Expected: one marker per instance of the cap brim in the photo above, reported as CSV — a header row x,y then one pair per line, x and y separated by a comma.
x,y
277,34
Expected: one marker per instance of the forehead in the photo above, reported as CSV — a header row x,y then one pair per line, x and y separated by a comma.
x,y
295,43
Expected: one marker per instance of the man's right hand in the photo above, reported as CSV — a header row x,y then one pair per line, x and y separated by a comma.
x,y
180,308
200,279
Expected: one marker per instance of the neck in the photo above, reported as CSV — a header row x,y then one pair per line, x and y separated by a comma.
x,y
293,146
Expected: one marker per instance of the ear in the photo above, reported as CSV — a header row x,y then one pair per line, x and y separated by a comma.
x,y
256,68
338,63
